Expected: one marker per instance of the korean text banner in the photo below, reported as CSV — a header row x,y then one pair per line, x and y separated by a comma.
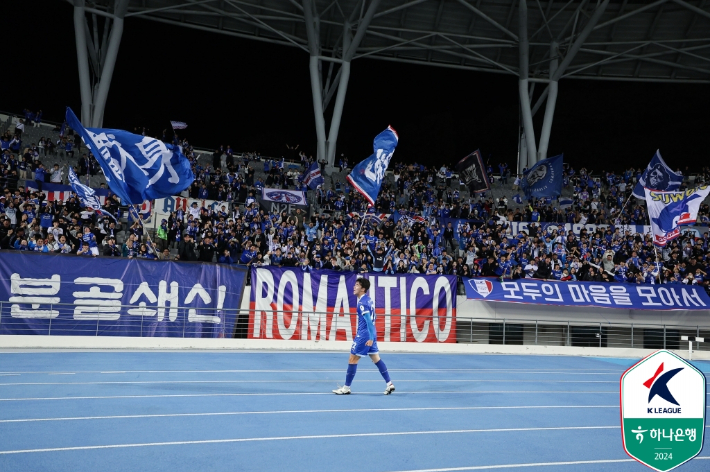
x,y
168,299
319,305
602,295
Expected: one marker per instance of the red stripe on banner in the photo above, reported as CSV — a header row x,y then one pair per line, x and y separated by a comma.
x,y
288,324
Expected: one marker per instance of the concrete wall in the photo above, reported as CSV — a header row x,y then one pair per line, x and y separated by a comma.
x,y
115,342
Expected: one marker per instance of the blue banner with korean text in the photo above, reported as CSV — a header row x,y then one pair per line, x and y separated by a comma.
x,y
54,294
602,295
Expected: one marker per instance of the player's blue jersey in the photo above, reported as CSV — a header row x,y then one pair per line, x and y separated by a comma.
x,y
366,318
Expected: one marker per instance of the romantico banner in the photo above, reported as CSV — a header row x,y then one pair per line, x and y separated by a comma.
x,y
603,295
168,299
291,304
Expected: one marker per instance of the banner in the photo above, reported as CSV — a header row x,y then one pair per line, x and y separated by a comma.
x,y
319,305
544,179
35,285
472,172
602,295
276,200
165,206
62,193
576,228
669,211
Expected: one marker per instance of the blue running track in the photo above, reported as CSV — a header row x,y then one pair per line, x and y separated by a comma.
x,y
256,411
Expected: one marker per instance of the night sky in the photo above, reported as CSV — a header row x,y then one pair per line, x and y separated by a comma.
x,y
256,97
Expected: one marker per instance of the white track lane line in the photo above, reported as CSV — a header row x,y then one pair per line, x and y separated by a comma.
x,y
141,382
284,412
323,436
275,394
539,464
552,371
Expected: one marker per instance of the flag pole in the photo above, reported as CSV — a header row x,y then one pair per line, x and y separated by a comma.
x,y
655,251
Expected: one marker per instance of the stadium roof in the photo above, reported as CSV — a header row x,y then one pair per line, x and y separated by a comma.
x,y
632,40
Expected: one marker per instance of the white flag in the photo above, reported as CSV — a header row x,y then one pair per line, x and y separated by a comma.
x,y
668,211
178,124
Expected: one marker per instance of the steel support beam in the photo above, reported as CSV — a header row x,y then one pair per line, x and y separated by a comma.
x,y
82,56
315,72
349,48
109,63
526,115
102,59
551,101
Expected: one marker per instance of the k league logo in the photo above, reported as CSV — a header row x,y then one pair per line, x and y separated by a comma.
x,y
658,384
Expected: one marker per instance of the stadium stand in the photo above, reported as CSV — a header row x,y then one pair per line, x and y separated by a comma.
x,y
424,221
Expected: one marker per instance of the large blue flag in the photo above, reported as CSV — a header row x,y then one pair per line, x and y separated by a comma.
x,y
87,195
312,176
657,176
137,168
366,177
544,179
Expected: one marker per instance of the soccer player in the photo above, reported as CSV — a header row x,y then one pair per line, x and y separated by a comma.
x,y
365,343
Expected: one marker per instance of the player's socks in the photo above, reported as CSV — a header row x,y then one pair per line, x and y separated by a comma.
x,y
352,368
383,370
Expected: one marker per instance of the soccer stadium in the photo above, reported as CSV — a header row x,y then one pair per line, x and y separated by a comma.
x,y
171,305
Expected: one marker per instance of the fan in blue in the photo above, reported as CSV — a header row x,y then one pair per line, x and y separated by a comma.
x,y
137,168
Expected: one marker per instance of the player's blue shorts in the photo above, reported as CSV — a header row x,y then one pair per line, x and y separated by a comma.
x,y
359,348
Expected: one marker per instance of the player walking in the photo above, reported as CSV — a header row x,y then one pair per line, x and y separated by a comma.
x,y
365,342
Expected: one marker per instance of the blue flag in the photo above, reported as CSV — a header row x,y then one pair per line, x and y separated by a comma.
x,y
366,177
137,168
312,176
657,176
517,198
544,179
87,195
566,202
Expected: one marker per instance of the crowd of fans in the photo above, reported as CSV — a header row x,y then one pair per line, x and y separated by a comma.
x,y
414,226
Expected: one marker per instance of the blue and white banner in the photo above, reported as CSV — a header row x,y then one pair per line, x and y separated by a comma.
x,y
290,197
657,176
86,195
544,179
602,295
276,200
669,211
312,176
137,168
167,299
366,177
576,228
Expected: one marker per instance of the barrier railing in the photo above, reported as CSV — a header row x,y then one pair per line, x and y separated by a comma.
x,y
109,319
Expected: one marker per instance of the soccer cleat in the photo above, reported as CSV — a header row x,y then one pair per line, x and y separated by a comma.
x,y
389,389
344,390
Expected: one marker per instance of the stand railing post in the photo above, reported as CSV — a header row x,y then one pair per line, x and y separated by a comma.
x,y
664,336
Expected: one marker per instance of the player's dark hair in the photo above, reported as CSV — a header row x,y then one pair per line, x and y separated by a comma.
x,y
364,283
